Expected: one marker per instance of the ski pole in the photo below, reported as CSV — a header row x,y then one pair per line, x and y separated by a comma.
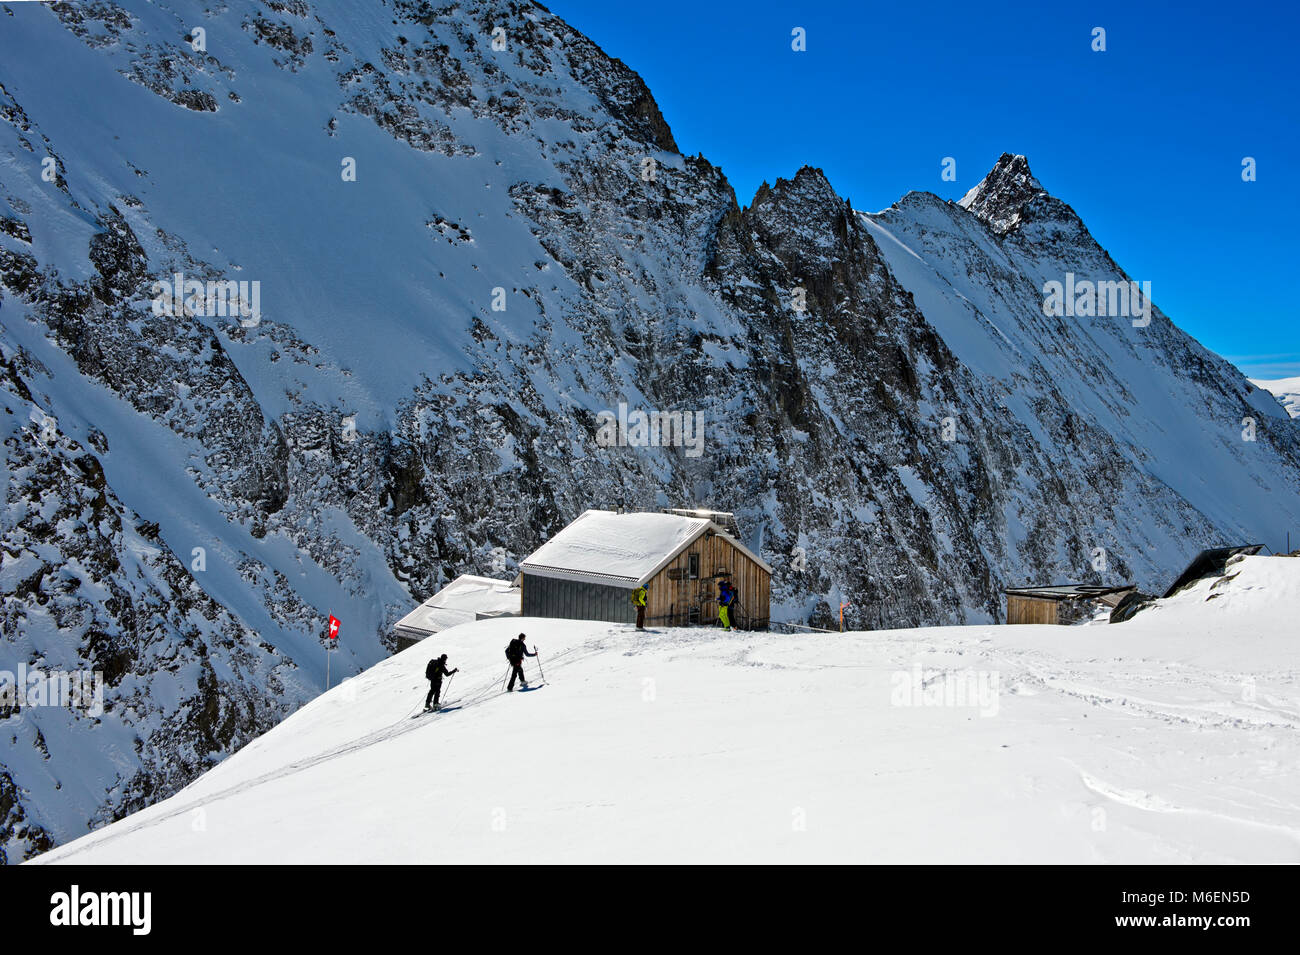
x,y
540,671
449,679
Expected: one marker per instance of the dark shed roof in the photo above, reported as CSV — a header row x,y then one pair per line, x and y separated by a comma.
x,y
1065,591
1210,563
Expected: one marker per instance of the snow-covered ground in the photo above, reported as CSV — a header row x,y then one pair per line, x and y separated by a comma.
x,y
1287,391
1174,737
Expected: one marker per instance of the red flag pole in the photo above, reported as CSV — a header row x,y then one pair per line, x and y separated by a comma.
x,y
331,637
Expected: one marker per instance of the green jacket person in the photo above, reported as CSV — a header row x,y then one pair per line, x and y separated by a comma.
x,y
638,599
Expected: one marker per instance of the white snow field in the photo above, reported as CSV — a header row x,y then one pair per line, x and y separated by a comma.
x,y
1172,738
1286,390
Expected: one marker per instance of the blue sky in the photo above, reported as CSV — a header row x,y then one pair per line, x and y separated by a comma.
x,y
1145,140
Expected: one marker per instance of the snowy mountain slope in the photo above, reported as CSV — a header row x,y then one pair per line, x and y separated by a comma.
x,y
1170,738
1111,397
184,680
393,420
1286,390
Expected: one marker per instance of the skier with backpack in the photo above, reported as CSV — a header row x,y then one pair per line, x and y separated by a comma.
x,y
515,653
726,597
434,673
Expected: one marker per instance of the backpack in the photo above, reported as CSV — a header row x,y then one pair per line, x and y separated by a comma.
x,y
514,652
431,669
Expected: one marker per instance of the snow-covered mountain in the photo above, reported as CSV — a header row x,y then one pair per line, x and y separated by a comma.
x,y
1170,738
471,231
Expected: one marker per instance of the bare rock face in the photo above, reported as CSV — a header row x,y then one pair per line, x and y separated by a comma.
x,y
882,399
1002,197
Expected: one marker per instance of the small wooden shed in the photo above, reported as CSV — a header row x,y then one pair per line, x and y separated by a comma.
x,y
588,570
1059,603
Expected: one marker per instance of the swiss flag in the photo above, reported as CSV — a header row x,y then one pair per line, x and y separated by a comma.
x,y
334,627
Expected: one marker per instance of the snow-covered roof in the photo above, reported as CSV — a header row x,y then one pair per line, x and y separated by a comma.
x,y
624,550
724,519
464,600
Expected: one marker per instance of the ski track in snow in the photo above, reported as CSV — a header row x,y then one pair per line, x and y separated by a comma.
x,y
1150,802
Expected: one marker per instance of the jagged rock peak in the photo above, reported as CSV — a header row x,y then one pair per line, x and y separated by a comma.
x,y
809,184
1001,196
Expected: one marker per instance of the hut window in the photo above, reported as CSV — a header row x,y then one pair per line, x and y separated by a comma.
x,y
693,566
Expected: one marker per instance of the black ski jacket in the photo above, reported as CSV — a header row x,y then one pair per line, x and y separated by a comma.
x,y
436,670
517,651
